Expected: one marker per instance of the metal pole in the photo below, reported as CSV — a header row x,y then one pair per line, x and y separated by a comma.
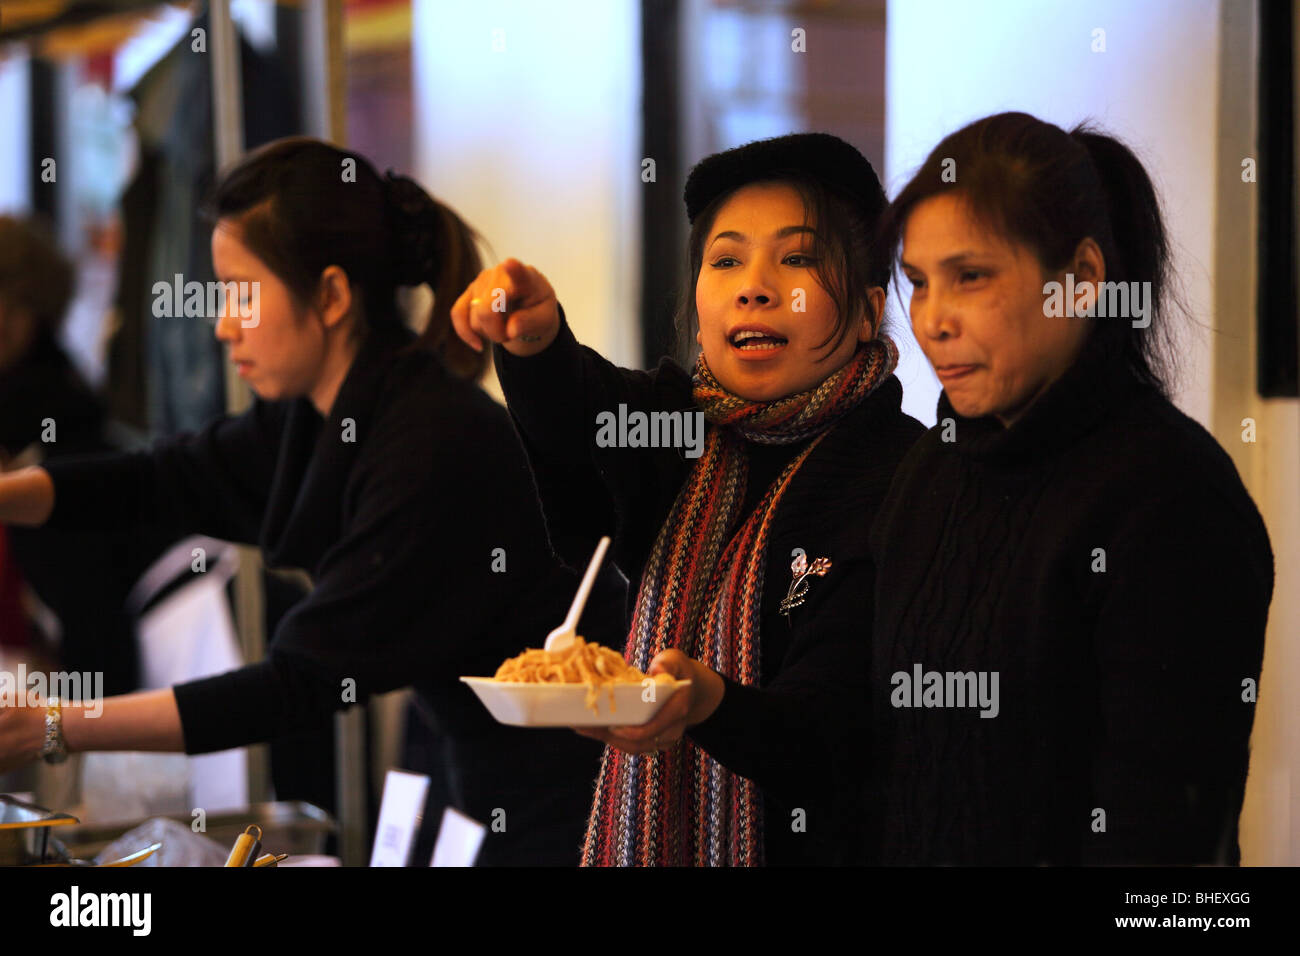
x,y
324,78
323,104
228,140
227,90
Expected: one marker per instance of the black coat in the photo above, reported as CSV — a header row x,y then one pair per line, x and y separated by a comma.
x,y
396,505
801,734
84,578
1102,557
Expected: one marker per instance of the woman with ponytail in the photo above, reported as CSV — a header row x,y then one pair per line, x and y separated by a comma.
x,y
372,460
747,541
1074,582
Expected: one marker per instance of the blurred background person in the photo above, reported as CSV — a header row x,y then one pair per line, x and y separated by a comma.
x,y
49,413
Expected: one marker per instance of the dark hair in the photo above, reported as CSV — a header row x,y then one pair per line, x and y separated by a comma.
x,y
35,275
1048,189
303,205
843,245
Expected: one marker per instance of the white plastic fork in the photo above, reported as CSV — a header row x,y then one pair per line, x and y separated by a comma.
x,y
562,637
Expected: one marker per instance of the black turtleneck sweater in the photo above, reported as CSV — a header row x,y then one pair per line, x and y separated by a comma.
x,y
1121,730
801,733
396,504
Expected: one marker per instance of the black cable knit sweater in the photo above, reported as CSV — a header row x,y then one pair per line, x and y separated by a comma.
x,y
1102,557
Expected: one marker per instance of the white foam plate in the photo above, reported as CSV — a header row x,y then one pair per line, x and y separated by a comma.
x,y
565,705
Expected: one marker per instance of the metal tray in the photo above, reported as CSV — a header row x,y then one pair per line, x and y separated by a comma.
x,y
293,827
25,831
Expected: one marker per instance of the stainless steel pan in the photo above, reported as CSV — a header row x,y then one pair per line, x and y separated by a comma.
x,y
25,831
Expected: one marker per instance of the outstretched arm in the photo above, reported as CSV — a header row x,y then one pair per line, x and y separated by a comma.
x,y
145,721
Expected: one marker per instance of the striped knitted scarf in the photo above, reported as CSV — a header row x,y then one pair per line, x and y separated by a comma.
x,y
701,592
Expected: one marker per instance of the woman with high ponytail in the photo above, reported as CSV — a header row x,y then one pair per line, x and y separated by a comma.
x,y
1074,583
369,460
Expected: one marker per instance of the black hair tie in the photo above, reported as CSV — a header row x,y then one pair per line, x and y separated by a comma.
x,y
413,223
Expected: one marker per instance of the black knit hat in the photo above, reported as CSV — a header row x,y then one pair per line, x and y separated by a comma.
x,y
817,156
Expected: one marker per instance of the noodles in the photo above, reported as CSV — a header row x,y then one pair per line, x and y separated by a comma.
x,y
580,663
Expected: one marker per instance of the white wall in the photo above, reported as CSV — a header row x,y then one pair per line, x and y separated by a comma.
x,y
538,145
15,135
949,62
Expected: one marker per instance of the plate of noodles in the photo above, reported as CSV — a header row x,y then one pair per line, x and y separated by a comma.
x,y
584,685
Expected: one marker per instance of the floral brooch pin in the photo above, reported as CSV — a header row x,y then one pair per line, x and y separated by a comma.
x,y
802,572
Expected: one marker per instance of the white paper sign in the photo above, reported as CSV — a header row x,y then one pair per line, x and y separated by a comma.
x,y
459,839
399,817
189,634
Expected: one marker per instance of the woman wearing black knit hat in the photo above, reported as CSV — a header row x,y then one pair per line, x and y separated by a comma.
x,y
373,461
1073,581
746,545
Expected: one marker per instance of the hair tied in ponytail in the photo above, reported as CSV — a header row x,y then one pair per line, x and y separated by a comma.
x,y
413,218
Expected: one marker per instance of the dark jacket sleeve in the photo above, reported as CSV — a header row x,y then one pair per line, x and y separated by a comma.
x,y
408,594
803,738
1179,641
349,638
588,491
214,482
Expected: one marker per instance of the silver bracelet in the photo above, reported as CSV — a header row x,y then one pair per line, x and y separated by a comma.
x,y
56,748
